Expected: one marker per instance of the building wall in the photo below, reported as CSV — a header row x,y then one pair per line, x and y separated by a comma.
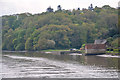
x,y
95,51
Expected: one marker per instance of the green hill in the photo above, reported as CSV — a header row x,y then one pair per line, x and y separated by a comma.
x,y
60,29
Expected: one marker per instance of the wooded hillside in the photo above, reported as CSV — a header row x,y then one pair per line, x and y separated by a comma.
x,y
61,29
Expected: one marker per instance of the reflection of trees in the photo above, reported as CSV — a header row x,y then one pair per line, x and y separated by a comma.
x,y
94,60
101,61
86,60
113,62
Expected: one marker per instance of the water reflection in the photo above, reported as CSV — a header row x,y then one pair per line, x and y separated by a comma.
x,y
86,60
36,64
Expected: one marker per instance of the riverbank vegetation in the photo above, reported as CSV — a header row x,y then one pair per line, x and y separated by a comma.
x,y
112,51
61,29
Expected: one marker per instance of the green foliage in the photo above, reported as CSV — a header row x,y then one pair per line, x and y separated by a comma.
x,y
62,29
115,43
20,47
83,46
44,44
29,44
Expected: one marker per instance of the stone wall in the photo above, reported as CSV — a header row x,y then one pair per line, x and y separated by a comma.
x,y
95,51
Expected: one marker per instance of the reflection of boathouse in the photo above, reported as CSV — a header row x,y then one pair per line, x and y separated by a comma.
x,y
99,47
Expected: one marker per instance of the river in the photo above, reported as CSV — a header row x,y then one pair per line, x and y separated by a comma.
x,y
39,65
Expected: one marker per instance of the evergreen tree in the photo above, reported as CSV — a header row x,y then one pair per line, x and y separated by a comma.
x,y
59,8
78,9
91,7
49,9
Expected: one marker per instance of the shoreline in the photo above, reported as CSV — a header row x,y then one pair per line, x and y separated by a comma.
x,y
58,52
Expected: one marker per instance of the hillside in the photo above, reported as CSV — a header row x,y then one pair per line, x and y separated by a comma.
x,y
61,29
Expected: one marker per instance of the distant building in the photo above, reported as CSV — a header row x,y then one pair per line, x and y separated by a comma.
x,y
95,48
99,47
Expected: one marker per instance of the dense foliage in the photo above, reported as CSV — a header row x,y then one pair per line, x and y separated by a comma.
x,y
61,29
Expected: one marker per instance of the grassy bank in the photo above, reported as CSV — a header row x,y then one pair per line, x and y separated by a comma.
x,y
113,52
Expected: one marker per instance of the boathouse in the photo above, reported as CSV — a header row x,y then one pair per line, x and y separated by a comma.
x,y
95,48
98,47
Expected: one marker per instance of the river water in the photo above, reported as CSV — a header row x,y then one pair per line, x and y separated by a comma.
x,y
39,65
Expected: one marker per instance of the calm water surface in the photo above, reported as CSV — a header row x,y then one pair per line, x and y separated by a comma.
x,y
38,65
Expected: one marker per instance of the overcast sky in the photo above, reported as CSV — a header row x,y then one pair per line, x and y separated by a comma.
x,y
37,6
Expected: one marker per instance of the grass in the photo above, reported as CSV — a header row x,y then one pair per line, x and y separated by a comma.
x,y
112,52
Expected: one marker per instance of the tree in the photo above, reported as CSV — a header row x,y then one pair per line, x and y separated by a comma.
x,y
50,44
115,43
59,30
78,9
106,7
41,45
59,8
10,45
91,7
29,44
58,33
49,9
97,9
20,47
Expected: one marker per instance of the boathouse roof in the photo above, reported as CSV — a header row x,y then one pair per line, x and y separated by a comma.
x,y
99,41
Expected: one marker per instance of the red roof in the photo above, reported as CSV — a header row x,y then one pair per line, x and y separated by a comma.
x,y
95,46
